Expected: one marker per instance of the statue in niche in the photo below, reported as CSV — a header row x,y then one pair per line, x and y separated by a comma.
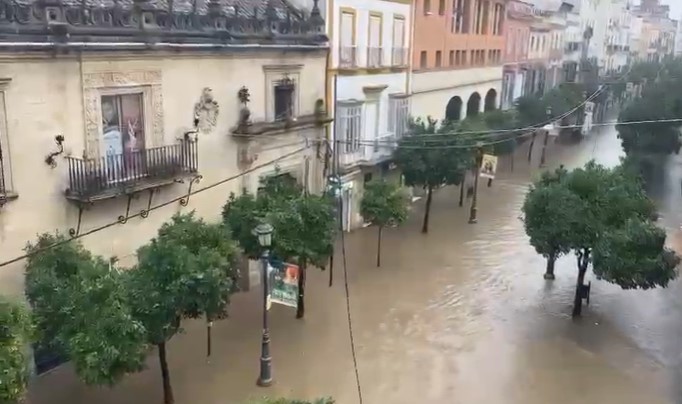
x,y
206,111
244,113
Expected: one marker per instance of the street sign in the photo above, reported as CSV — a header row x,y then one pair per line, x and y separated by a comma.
x,y
284,283
488,166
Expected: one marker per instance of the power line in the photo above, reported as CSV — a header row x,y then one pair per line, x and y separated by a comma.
x,y
108,225
445,145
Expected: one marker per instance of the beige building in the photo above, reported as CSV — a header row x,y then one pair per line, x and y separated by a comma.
x,y
148,104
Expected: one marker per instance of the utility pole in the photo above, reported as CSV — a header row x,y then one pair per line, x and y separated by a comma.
x,y
474,201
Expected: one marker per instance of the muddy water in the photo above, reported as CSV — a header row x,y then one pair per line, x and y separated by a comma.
x,y
461,315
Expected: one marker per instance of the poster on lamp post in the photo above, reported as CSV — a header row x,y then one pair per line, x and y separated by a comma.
x,y
284,283
488,166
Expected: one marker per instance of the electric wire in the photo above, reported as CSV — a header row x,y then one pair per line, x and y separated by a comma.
x,y
347,289
155,207
445,145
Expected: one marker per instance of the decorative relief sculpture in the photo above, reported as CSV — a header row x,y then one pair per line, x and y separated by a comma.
x,y
206,111
244,113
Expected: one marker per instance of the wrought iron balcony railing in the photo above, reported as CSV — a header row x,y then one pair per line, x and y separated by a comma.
x,y
375,57
348,57
132,171
399,57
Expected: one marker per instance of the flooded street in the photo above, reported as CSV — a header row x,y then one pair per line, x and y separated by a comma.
x,y
461,315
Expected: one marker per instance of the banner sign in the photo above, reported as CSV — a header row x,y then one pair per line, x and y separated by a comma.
x,y
488,166
284,283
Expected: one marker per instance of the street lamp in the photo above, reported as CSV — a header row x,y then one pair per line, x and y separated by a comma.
x,y
544,144
264,233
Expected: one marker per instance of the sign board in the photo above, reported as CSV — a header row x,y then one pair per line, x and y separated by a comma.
x,y
284,283
629,87
488,166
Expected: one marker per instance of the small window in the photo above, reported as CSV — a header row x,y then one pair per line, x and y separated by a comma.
x,y
427,6
451,58
284,99
458,58
441,7
463,60
422,60
438,58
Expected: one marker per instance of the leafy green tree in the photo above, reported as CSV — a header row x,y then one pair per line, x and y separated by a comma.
x,y
551,214
16,333
185,272
609,199
431,165
81,307
635,256
531,110
304,225
383,204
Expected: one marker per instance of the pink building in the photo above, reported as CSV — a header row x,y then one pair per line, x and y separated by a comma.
x,y
520,17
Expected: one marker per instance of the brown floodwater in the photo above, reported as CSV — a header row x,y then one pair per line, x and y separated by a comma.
x,y
461,315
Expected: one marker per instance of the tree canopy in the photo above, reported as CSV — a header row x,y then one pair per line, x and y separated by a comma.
x,y
383,204
605,217
304,225
16,333
81,308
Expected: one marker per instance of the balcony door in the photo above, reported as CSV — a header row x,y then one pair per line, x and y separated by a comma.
x,y
123,136
372,123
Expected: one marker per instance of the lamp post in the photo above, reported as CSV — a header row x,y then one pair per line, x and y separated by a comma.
x,y
474,200
264,233
544,144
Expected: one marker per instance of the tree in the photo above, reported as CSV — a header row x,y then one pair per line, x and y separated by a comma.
x,y
431,165
551,213
304,225
609,200
635,256
80,306
383,204
185,272
16,333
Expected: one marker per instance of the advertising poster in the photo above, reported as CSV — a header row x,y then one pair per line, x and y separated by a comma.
x,y
488,166
284,284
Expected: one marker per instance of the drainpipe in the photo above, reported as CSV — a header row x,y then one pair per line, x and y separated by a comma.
x,y
410,52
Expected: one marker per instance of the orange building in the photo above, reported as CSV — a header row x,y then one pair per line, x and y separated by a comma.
x,y
457,57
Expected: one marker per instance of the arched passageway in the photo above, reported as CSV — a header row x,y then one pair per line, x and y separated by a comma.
x,y
490,100
473,105
453,111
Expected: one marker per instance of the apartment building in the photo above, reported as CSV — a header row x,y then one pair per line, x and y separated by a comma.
x,y
520,16
539,48
457,57
368,87
617,49
107,111
658,36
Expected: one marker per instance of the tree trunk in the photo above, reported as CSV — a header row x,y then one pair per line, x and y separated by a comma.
x,y
490,182
427,211
549,273
582,268
530,148
165,375
461,192
300,309
331,269
379,247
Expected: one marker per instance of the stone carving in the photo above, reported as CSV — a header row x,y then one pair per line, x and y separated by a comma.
x,y
244,113
73,20
206,111
95,82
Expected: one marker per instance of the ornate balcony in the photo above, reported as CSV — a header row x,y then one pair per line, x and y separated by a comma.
x,y
348,57
399,57
130,172
375,57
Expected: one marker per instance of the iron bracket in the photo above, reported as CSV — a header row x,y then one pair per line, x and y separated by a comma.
x,y
185,201
124,219
74,232
144,213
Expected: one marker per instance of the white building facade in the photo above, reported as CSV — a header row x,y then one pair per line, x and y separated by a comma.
x,y
369,58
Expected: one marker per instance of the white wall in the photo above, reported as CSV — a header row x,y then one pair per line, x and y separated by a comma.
x,y
432,91
362,9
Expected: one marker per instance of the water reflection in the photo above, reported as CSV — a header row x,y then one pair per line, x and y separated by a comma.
x,y
461,315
